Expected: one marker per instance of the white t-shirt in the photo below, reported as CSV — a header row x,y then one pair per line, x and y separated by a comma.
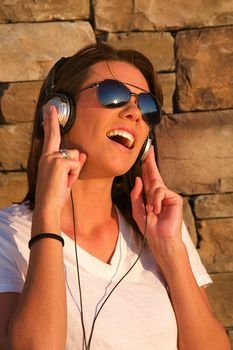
x,y
138,315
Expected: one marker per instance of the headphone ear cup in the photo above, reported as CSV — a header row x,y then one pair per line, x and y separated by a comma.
x,y
145,149
65,107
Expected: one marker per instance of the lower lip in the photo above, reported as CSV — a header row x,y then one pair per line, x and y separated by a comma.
x,y
121,147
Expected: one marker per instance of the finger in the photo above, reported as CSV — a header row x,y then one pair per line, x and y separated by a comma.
x,y
150,169
72,154
65,170
66,154
52,137
70,166
74,172
164,198
157,200
154,185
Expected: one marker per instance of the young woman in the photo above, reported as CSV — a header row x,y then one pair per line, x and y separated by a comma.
x,y
110,264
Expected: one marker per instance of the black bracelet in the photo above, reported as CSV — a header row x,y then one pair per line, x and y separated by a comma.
x,y
45,235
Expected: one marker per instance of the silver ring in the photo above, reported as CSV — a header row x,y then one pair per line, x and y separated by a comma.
x,y
64,153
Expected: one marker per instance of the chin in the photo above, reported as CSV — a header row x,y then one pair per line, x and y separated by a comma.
x,y
121,169
107,166
100,172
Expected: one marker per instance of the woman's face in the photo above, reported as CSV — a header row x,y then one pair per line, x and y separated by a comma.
x,y
94,124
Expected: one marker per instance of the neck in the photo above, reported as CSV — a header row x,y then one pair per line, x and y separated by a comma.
x,y
92,205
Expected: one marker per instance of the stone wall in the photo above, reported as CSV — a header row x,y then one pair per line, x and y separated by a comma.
x,y
191,46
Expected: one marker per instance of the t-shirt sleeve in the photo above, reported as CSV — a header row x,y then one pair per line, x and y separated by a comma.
x,y
14,252
198,269
11,279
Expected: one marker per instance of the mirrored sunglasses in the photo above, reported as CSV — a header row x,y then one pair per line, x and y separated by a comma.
x,y
113,94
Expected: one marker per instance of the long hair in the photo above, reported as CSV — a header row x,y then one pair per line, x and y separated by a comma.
x,y
69,79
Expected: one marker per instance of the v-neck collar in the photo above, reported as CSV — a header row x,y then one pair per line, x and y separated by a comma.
x,y
91,264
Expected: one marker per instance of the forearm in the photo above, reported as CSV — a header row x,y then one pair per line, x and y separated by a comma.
x,y
197,327
39,321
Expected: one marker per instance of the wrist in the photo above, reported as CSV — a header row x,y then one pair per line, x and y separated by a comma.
x,y
46,220
172,257
49,235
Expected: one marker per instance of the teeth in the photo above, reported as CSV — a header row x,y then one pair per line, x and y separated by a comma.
x,y
124,134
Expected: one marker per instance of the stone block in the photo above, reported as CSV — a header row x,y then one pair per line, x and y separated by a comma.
x,y
206,207
110,19
28,50
36,11
128,15
189,220
220,295
216,244
13,187
168,82
16,140
195,152
158,47
18,101
205,69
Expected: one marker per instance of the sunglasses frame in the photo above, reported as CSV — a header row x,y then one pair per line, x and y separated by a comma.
x,y
131,94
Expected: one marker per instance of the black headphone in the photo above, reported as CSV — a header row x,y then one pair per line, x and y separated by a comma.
x,y
65,106
63,102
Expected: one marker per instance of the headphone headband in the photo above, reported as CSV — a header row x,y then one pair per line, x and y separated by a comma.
x,y
50,81
63,102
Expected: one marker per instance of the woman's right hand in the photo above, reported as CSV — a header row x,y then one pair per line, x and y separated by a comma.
x,y
56,174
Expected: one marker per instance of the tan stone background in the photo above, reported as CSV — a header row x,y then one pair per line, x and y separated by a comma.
x,y
191,46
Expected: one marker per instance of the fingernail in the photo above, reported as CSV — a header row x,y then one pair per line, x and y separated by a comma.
x,y
46,111
149,207
45,116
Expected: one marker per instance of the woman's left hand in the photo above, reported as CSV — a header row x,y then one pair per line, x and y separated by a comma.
x,y
164,207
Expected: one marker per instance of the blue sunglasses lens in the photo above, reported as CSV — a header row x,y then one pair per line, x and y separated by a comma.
x,y
113,94
149,108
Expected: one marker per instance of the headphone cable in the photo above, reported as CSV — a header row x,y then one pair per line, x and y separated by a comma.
x,y
85,345
94,320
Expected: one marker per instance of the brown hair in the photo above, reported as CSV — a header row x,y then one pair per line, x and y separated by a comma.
x,y
69,79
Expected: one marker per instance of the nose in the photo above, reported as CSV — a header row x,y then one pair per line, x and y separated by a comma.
x,y
131,110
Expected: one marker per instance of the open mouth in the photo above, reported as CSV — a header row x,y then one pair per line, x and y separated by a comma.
x,y
123,137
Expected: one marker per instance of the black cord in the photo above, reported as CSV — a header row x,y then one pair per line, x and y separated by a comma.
x,y
138,257
78,274
85,345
